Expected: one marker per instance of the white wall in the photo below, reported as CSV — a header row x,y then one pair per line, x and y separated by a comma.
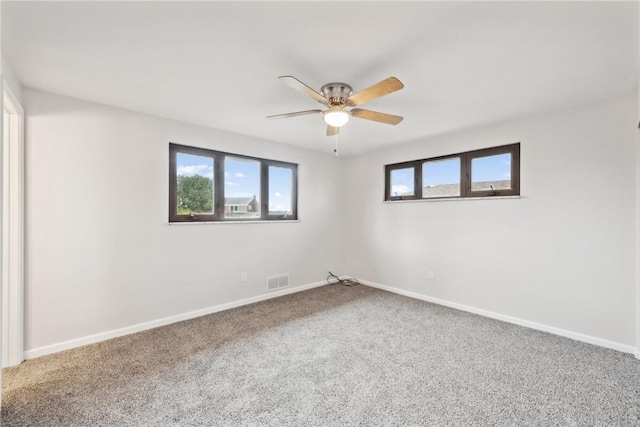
x,y
101,256
563,255
11,80
100,253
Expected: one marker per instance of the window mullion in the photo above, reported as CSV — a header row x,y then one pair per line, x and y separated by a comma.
x,y
417,173
172,184
219,185
465,175
264,190
294,191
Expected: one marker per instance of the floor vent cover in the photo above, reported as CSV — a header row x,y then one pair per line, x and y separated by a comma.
x,y
277,282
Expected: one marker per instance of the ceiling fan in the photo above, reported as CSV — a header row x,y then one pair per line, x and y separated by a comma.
x,y
339,98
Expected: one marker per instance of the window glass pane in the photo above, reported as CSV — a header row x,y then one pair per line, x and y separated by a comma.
x,y
491,173
402,182
441,178
241,188
280,186
194,184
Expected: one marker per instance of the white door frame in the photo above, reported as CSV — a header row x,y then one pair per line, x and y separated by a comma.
x,y
13,231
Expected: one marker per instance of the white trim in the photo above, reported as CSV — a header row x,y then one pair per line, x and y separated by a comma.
x,y
91,339
248,221
102,336
509,319
13,229
637,258
451,199
637,164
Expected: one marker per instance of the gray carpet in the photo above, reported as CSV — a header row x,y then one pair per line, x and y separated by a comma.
x,y
325,357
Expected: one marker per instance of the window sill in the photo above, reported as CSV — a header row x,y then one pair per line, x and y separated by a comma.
x,y
274,221
452,199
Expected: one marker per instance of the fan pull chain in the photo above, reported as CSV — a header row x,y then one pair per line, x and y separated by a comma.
x,y
335,150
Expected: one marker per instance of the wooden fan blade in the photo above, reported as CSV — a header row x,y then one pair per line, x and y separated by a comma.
x,y
389,119
296,114
301,87
332,130
385,87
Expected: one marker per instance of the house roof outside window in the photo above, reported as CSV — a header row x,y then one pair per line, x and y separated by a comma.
x,y
240,201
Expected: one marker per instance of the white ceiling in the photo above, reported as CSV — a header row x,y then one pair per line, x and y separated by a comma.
x,y
464,64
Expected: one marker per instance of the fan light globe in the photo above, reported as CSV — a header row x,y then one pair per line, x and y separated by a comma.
x,y
336,118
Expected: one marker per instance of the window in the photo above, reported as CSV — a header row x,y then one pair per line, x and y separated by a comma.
x,y
207,185
281,186
241,188
441,178
480,173
401,183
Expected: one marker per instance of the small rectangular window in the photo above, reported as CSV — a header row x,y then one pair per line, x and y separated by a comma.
x,y
280,191
494,171
208,185
491,173
194,184
401,183
441,178
479,173
241,188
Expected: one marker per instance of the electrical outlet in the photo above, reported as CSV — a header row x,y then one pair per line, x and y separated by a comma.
x,y
243,276
431,275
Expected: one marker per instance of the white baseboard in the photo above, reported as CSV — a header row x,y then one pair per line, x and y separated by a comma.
x,y
91,339
509,319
